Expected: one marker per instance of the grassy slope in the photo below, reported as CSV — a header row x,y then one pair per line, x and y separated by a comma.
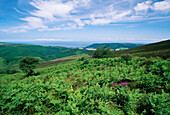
x,y
161,49
45,52
11,53
57,61
114,45
80,87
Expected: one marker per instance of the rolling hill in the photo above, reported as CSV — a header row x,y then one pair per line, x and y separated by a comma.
x,y
11,53
44,52
108,86
114,46
83,85
160,49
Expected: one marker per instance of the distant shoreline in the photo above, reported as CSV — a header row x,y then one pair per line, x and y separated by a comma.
x,y
68,44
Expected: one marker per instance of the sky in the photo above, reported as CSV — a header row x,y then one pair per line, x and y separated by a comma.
x,y
123,21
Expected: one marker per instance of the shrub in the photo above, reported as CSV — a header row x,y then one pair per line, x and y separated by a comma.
x,y
83,57
102,52
28,64
126,58
154,104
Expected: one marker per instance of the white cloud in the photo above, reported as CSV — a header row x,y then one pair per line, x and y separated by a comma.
x,y
144,6
162,6
51,15
50,9
44,39
48,39
17,29
155,6
19,11
34,23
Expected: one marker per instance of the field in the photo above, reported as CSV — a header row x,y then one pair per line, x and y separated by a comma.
x,y
136,85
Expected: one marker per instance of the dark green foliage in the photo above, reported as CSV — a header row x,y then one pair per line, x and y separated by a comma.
x,y
102,52
83,57
8,65
90,86
126,58
44,52
10,54
160,49
114,45
28,64
8,71
154,104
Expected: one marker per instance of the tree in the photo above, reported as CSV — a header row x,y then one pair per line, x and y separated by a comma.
x,y
102,52
27,64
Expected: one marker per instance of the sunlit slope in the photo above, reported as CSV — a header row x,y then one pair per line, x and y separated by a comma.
x,y
90,86
161,49
58,61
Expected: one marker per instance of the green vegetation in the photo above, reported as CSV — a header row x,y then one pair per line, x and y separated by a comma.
x,y
121,85
102,52
78,84
115,46
58,61
9,65
10,54
27,64
45,52
160,49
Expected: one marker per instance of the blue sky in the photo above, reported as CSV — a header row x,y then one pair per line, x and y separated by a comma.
x,y
137,21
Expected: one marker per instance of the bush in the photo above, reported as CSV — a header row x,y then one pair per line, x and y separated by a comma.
x,y
102,52
28,64
126,57
83,57
154,104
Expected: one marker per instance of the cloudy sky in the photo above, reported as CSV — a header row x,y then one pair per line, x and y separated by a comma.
x,y
138,21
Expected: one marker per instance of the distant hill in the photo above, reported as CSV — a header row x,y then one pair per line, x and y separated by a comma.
x,y
114,46
160,49
44,52
11,53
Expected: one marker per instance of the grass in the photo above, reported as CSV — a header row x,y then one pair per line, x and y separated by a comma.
x,y
160,49
1,62
57,61
10,54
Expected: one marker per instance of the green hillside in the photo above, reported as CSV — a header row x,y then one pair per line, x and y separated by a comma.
x,y
160,49
109,86
44,52
11,53
114,46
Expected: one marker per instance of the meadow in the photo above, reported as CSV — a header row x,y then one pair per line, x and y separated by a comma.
x,y
136,85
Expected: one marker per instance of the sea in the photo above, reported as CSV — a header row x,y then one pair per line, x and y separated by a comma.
x,y
68,44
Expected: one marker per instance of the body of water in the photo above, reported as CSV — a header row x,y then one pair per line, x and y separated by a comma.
x,y
69,44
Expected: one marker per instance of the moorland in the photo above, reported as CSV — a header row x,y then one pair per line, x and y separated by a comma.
x,y
132,81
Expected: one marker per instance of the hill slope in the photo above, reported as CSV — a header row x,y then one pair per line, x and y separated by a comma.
x,y
114,45
160,49
11,53
45,52
110,86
